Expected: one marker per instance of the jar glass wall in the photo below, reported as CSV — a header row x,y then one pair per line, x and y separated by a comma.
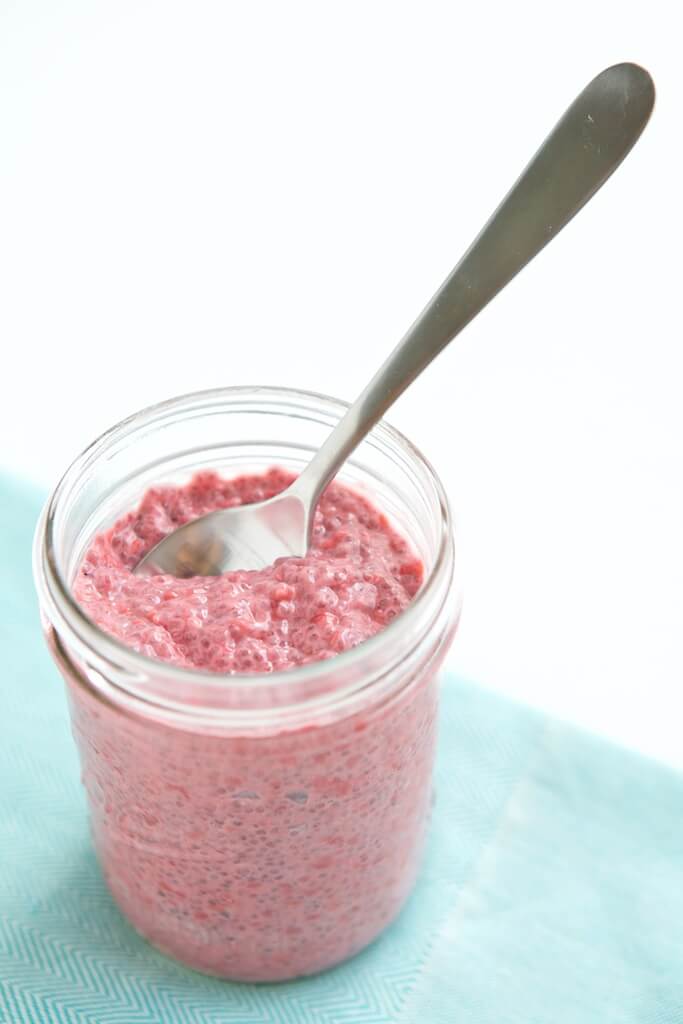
x,y
254,827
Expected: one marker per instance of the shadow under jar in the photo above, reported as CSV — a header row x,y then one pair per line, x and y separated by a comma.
x,y
255,827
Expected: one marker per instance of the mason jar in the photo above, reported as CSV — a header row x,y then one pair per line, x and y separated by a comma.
x,y
255,827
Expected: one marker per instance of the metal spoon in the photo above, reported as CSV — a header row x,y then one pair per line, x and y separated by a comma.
x,y
587,144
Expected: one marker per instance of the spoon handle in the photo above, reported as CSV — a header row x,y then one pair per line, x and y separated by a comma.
x,y
586,145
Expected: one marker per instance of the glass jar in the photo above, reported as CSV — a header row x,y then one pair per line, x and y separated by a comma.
x,y
253,827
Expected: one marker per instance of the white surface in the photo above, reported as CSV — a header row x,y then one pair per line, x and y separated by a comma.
x,y
212,193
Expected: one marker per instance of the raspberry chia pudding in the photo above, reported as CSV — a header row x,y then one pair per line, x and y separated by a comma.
x,y
278,844
358,575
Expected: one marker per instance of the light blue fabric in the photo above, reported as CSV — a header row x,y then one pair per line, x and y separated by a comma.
x,y
552,891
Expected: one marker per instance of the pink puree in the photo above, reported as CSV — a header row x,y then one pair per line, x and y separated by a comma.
x,y
257,857
358,575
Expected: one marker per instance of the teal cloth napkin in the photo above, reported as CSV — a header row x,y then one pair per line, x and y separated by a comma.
x,y
552,890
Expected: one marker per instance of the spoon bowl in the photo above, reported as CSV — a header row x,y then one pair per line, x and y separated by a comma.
x,y
245,537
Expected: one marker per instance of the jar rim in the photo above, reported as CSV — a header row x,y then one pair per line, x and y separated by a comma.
x,y
54,587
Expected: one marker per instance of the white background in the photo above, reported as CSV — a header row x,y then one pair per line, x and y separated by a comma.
x,y
201,193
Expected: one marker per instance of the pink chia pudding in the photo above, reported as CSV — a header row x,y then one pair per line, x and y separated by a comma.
x,y
358,575
266,855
